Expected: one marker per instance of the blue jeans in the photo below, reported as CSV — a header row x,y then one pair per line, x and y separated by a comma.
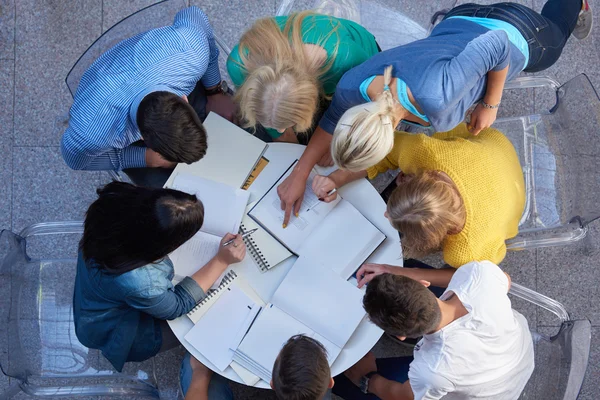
x,y
546,33
218,388
394,369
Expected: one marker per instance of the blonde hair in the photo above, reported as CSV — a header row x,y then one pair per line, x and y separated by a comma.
x,y
282,88
424,210
365,133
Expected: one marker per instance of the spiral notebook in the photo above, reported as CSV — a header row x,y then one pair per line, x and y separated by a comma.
x,y
229,279
265,250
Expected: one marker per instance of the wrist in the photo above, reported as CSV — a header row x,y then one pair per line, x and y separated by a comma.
x,y
301,170
375,382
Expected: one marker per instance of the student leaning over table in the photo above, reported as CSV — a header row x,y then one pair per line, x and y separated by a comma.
x,y
436,81
286,67
301,372
123,292
457,192
474,344
131,111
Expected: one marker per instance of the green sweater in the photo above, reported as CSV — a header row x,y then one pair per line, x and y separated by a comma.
x,y
356,45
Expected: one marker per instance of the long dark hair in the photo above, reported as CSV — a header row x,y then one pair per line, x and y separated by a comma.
x,y
128,227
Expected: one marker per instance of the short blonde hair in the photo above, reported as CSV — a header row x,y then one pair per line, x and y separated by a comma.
x,y
282,87
365,133
424,210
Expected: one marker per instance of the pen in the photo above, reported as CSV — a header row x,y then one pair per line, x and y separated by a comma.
x,y
245,234
332,191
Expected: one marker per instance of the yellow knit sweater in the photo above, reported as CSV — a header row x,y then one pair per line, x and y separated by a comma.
x,y
488,175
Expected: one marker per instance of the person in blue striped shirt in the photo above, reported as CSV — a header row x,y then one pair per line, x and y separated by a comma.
x,y
131,111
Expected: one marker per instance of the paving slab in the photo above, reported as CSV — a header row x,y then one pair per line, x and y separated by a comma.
x,y
50,37
7,29
114,11
521,266
6,132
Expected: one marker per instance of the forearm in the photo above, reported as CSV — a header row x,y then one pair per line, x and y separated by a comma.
x,y
318,145
198,389
437,277
386,389
206,276
495,86
343,177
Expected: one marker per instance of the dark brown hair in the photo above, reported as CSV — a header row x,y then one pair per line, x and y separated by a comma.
x,y
128,226
171,127
401,306
301,370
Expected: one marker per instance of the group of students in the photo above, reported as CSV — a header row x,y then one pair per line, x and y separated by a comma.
x,y
322,81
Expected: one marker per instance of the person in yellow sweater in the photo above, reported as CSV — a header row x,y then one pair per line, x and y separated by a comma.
x,y
457,192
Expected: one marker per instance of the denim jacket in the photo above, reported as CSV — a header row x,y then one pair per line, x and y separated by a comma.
x,y
120,314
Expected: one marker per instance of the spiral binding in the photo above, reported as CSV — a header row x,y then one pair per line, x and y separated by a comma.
x,y
255,253
225,282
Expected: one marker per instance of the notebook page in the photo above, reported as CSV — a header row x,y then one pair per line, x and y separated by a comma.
x,y
344,240
263,248
316,296
223,205
271,330
231,156
214,335
269,214
195,253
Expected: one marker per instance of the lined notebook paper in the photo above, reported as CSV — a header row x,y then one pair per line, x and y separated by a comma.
x,y
231,155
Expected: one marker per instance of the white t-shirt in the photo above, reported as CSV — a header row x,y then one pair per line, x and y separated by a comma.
x,y
486,354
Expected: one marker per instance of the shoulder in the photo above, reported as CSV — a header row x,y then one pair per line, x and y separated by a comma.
x,y
191,16
478,278
428,371
148,281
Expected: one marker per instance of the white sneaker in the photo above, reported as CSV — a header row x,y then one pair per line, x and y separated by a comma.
x,y
584,22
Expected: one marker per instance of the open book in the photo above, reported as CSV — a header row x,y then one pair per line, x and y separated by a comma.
x,y
224,207
312,300
231,155
337,232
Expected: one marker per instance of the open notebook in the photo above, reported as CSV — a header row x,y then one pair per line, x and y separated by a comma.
x,y
337,232
312,300
231,155
224,207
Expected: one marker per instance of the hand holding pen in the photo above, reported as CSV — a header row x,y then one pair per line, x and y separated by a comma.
x,y
325,188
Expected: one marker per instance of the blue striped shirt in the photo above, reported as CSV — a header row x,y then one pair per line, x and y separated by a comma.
x,y
102,124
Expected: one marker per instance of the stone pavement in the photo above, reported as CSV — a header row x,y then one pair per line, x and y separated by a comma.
x,y
41,40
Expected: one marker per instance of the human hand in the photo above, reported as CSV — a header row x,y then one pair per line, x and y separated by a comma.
x,y
322,185
361,368
326,160
223,105
481,118
369,271
291,194
234,252
155,160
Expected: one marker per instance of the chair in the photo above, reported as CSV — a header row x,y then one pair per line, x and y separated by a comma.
x,y
559,172
153,16
42,354
44,357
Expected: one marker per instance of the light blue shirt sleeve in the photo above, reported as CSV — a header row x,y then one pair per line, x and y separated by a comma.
x,y
195,19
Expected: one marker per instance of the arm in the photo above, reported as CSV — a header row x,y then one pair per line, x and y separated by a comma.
x,y
436,277
483,117
92,153
386,389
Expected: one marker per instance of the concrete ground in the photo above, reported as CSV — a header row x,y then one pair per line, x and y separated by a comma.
x,y
41,40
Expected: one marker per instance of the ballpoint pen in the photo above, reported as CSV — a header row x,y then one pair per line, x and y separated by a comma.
x,y
251,231
332,191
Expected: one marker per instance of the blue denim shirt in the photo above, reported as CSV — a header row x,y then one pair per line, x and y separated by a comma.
x,y
120,314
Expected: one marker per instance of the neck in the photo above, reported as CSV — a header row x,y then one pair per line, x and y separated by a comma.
x,y
451,309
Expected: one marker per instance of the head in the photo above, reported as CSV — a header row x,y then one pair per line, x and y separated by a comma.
x,y
301,370
365,133
171,127
425,209
128,226
282,86
402,306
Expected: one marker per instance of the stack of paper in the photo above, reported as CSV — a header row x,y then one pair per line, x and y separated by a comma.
x,y
312,300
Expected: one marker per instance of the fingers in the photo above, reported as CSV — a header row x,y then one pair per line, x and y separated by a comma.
x,y
287,214
228,237
329,199
297,205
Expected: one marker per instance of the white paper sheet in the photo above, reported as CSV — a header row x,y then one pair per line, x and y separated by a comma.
x,y
195,253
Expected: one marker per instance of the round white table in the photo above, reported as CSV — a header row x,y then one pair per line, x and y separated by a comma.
x,y
365,198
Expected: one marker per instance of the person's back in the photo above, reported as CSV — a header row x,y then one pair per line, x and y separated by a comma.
x,y
488,353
